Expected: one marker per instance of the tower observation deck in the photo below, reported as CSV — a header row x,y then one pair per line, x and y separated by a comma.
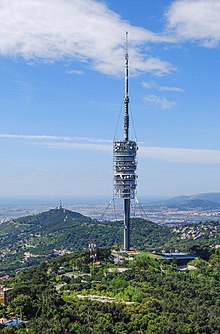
x,y
125,163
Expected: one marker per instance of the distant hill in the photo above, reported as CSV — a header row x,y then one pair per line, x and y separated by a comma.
x,y
206,201
38,226
67,229
26,241
213,197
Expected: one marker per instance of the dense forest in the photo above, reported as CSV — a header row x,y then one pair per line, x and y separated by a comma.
x,y
78,293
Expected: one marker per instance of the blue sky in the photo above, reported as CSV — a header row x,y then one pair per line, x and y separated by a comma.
x,y
61,77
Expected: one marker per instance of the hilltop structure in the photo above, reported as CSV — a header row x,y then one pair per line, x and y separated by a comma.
x,y
125,164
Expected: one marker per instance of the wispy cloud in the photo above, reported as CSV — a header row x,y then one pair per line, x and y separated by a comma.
x,y
86,30
181,155
168,154
170,89
158,101
74,72
85,146
63,142
153,85
54,138
147,85
195,20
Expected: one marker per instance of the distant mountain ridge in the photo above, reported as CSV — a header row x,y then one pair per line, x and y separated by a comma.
x,y
206,201
212,197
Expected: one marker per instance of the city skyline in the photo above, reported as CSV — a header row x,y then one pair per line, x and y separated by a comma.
x,y
62,86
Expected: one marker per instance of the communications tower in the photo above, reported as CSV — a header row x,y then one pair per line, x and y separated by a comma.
x,y
125,163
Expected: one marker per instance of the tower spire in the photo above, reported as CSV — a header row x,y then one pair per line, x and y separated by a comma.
x,y
126,97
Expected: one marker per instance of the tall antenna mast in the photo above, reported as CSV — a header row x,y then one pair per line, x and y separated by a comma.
x,y
125,163
126,97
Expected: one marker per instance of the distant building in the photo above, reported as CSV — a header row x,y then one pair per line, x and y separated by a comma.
x,y
3,294
180,258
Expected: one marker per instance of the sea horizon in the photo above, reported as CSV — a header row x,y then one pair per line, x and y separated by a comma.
x,y
66,200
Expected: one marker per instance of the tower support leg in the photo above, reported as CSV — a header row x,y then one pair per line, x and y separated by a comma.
x,y
126,224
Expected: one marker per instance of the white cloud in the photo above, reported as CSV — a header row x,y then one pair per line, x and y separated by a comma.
x,y
96,146
195,20
21,136
170,89
78,30
159,101
54,138
168,154
147,85
63,142
181,155
162,88
75,72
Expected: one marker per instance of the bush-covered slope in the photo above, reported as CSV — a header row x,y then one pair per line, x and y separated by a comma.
x,y
63,228
25,241
144,298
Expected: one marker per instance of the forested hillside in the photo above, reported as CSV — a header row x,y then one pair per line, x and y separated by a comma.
x,y
139,295
28,240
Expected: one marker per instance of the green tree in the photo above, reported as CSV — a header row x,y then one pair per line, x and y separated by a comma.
x,y
22,305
